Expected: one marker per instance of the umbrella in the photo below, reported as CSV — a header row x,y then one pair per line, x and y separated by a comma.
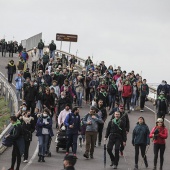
x,y
104,154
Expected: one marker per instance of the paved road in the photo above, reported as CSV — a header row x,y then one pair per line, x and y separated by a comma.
x,y
55,162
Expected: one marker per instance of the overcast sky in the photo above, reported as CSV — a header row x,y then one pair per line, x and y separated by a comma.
x,y
134,34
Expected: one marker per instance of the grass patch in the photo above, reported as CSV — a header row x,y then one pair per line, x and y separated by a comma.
x,y
4,113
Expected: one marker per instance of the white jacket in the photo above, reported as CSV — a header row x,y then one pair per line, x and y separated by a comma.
x,y
34,56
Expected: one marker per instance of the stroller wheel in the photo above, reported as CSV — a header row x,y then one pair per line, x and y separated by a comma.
x,y
57,149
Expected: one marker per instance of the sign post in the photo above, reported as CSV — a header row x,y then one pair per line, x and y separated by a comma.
x,y
66,37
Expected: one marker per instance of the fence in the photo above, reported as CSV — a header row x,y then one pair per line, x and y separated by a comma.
x,y
9,95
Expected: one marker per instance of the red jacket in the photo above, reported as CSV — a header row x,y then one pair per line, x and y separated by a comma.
x,y
127,91
163,134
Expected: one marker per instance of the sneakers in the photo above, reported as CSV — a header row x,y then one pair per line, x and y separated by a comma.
x,y
91,156
141,110
25,161
86,155
115,167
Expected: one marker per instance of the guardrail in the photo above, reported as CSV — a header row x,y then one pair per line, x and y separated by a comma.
x,y
9,95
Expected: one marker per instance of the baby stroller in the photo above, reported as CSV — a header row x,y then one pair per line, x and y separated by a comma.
x,y
61,139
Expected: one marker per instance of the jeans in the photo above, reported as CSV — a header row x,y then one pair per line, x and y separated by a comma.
x,y
142,149
40,53
79,98
111,101
133,100
156,149
52,54
72,141
43,142
19,94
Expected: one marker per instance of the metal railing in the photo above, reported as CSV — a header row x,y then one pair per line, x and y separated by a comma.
x,y
10,96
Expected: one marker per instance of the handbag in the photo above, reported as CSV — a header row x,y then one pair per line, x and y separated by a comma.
x,y
7,141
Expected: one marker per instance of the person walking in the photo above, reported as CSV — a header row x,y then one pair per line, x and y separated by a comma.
x,y
19,85
28,127
161,105
52,48
91,120
159,133
45,59
40,48
116,133
34,59
11,70
44,132
144,91
72,122
140,139
18,143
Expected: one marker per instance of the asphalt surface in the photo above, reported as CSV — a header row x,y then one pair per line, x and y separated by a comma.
x,y
55,162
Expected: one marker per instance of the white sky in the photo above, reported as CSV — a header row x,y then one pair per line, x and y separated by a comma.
x,y
134,34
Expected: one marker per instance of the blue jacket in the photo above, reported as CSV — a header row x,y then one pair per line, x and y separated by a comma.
x,y
72,119
19,82
140,135
41,125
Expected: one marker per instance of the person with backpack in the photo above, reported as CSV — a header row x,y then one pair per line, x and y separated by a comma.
x,y
140,139
16,135
52,48
159,133
117,134
24,55
72,122
45,60
91,120
161,105
40,48
144,91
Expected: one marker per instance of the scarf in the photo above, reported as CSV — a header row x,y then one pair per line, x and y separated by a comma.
x,y
27,120
117,122
103,93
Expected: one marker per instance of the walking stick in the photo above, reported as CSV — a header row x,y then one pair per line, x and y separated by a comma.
x,y
144,156
104,154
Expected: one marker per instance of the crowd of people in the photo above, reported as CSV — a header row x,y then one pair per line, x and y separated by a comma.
x,y
55,90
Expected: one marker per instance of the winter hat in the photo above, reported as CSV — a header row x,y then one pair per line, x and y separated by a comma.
x,y
159,120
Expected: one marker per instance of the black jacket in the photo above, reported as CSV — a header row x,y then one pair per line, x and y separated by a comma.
x,y
52,47
30,94
11,68
117,132
27,74
125,119
47,79
28,129
103,97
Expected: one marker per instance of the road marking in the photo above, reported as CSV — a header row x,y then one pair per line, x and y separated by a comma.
x,y
32,158
155,113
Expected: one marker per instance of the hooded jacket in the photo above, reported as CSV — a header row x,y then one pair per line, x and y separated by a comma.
x,y
140,134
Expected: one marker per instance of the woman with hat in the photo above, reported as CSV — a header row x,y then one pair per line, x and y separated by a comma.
x,y
159,133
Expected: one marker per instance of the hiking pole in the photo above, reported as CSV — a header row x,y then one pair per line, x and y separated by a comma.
x,y
144,156
104,153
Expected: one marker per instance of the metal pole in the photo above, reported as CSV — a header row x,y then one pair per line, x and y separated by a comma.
x,y
69,47
60,45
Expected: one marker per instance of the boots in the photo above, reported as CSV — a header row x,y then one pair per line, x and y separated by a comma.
x,y
42,158
39,159
112,163
136,167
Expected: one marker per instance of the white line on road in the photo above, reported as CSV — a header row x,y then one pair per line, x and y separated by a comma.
x,y
32,158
